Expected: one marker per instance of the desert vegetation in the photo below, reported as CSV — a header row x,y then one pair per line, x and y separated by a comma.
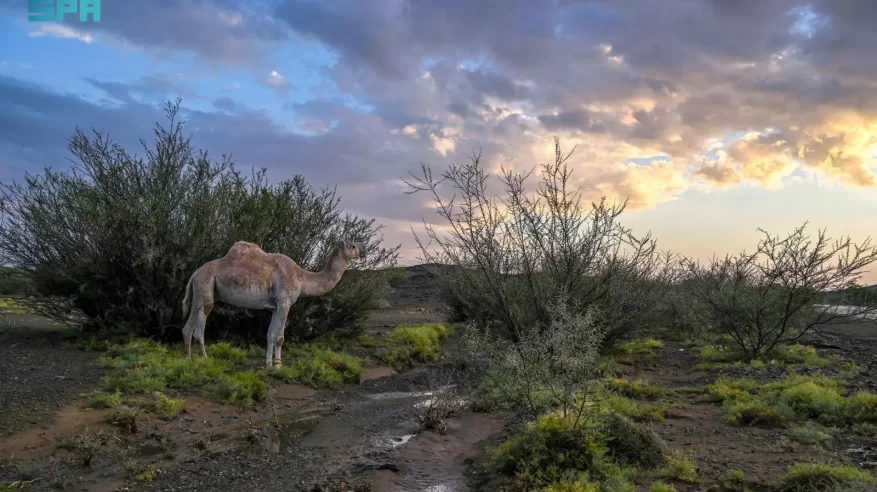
x,y
108,243
611,365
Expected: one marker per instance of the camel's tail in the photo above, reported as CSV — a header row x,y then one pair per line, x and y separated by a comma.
x,y
188,298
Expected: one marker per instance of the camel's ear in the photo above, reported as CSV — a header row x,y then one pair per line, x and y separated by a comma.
x,y
340,243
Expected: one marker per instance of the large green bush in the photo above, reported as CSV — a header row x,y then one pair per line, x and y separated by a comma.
x,y
114,240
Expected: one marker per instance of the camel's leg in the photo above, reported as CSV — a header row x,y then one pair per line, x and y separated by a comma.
x,y
278,344
188,330
199,327
191,323
275,330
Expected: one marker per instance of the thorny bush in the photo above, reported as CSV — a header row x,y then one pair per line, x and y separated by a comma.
x,y
512,255
542,371
777,293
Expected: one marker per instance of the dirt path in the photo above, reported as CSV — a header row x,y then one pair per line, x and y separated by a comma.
x,y
37,375
364,432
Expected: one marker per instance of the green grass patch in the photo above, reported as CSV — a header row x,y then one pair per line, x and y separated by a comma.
x,y
862,407
810,434
797,356
226,351
725,388
99,399
10,305
146,367
661,487
636,411
408,344
321,368
864,429
602,451
368,341
147,475
638,389
793,399
610,396
679,467
166,407
243,388
640,346
822,477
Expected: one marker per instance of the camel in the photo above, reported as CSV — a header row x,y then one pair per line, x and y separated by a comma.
x,y
248,277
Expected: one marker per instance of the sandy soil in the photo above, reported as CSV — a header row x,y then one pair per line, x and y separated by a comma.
x,y
37,375
362,432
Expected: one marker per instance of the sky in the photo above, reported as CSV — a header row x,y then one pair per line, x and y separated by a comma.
x,y
713,118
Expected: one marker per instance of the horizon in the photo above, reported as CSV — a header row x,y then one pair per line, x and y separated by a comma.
x,y
713,120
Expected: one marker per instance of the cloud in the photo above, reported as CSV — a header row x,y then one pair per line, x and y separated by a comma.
x,y
159,86
61,31
719,172
570,120
276,81
765,89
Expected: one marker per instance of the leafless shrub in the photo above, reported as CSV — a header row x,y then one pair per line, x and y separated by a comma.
x,y
512,255
776,294
432,414
86,446
125,417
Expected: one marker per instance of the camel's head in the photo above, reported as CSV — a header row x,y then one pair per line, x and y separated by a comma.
x,y
351,250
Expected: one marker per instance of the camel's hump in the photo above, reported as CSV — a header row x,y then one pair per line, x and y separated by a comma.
x,y
243,249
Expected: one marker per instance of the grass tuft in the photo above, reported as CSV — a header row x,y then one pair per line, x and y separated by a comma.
x,y
125,417
408,344
321,368
166,408
641,346
227,351
822,477
810,435
148,475
243,388
679,467
9,305
638,389
99,399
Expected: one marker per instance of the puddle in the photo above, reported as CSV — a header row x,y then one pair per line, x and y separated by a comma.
x,y
293,426
398,441
375,372
460,403
398,395
436,463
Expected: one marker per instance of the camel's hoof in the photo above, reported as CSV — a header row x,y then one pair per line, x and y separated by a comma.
x,y
278,365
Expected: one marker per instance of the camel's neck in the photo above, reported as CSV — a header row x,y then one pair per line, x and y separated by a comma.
x,y
319,283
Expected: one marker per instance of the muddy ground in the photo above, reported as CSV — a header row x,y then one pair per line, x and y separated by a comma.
x,y
362,433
